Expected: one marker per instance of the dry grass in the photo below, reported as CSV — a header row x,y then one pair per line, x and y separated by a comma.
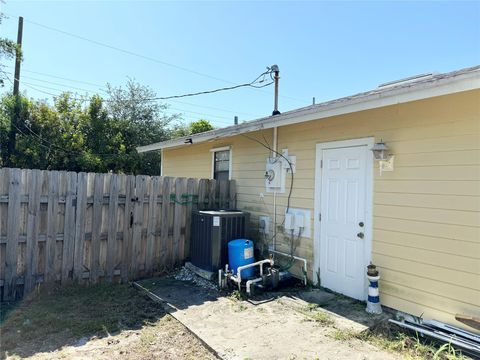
x,y
100,321
394,339
314,313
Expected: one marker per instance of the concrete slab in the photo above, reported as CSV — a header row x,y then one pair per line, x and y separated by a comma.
x,y
275,326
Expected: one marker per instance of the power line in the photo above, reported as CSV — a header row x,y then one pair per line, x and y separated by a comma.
x,y
56,89
64,85
177,109
213,108
252,84
99,85
166,110
58,77
132,53
211,117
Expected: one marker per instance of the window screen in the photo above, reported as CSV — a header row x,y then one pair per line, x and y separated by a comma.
x,y
221,163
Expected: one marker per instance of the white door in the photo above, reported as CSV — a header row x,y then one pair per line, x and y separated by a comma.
x,y
343,220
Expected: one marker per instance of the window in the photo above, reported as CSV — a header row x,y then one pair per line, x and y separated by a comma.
x,y
221,163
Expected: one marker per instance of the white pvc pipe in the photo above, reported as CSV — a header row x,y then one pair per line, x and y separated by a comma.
x,y
274,154
238,278
220,278
258,263
250,282
296,258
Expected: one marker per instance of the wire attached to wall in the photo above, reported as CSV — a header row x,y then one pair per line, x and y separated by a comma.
x,y
268,147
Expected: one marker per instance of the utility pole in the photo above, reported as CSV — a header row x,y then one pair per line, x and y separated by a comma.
x,y
16,85
276,77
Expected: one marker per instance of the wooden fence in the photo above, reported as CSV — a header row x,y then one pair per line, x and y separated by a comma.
x,y
58,226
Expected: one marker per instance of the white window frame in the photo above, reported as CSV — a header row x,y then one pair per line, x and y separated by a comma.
x,y
223,148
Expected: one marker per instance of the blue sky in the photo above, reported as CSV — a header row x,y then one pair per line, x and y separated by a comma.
x,y
323,49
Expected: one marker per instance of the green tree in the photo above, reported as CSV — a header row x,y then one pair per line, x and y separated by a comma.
x,y
99,136
138,120
200,126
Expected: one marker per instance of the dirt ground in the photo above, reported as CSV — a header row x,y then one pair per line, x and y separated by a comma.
x,y
295,323
99,322
122,322
279,327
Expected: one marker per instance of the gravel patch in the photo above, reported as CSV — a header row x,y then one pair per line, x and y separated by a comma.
x,y
185,274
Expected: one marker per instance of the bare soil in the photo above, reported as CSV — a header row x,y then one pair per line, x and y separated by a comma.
x,y
97,322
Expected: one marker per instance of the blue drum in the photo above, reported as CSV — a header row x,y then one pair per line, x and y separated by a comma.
x,y
240,252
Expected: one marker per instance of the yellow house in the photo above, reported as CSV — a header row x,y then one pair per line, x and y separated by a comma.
x,y
418,219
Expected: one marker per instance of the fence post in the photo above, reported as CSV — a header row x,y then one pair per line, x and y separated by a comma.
x,y
179,220
150,251
34,192
192,190
112,226
10,283
203,199
52,211
80,225
69,228
127,228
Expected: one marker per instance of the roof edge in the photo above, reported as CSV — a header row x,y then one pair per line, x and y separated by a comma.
x,y
438,85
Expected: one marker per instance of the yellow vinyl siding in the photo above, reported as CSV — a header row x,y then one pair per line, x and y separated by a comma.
x,y
426,213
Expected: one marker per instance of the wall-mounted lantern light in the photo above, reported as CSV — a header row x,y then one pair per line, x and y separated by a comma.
x,y
385,160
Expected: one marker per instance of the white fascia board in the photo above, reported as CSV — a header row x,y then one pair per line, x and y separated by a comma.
x,y
223,148
414,92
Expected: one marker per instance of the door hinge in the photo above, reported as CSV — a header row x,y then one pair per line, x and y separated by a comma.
x,y
321,164
319,216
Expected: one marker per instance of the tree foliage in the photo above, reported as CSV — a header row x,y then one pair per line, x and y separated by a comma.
x,y
99,136
200,126
196,127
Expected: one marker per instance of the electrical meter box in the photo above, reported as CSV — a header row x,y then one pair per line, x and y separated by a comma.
x,y
274,175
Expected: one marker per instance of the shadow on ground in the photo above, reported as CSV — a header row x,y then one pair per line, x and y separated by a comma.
x,y
180,295
72,316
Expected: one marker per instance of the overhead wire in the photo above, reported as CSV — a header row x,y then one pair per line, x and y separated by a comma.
x,y
34,87
132,53
213,108
267,146
64,85
50,144
99,85
57,77
225,119
156,98
90,92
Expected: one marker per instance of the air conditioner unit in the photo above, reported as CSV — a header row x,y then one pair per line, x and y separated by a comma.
x,y
210,233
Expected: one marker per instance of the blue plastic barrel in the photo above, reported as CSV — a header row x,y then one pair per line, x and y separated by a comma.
x,y
240,252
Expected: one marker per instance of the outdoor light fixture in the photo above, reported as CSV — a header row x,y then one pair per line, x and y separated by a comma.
x,y
380,154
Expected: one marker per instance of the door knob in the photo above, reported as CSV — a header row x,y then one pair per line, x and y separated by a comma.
x,y
361,224
360,235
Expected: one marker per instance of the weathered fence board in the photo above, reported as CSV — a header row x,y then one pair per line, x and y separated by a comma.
x,y
58,226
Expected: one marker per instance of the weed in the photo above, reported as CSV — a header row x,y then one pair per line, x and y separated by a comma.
x,y
312,312
237,295
239,307
342,335
414,347
147,339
